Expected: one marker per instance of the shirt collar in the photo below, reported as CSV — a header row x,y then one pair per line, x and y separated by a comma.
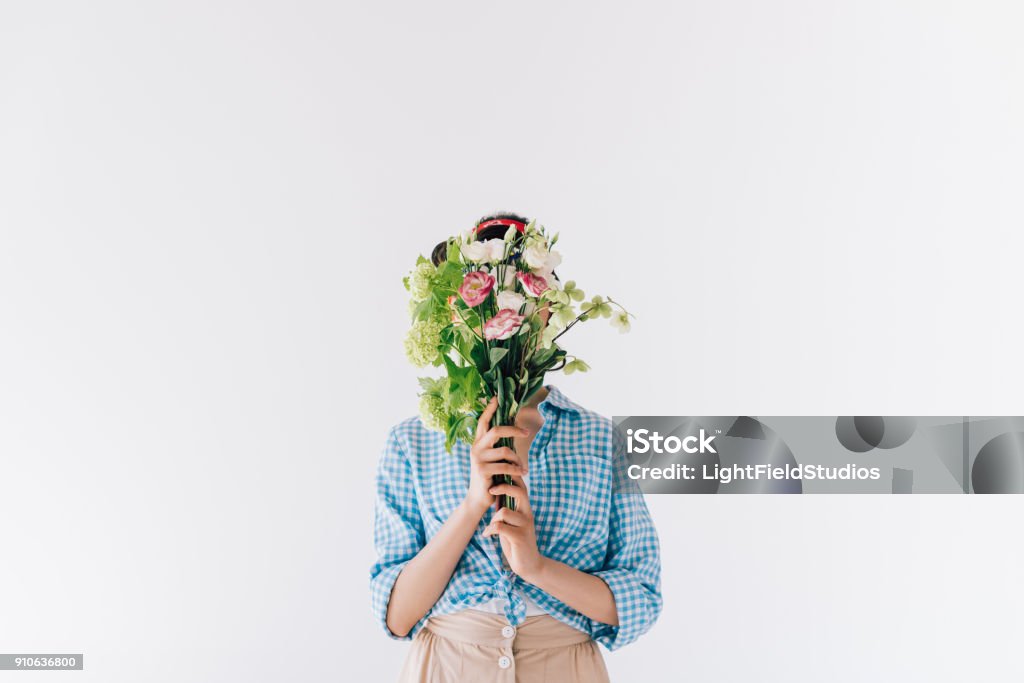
x,y
557,399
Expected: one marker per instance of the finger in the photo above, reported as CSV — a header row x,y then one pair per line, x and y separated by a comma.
x,y
511,517
513,491
490,469
495,528
492,435
484,423
516,490
499,454
503,529
524,502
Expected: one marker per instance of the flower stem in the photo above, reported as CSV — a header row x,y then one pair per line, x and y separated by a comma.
x,y
503,419
464,322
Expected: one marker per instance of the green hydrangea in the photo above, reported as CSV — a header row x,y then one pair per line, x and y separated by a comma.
x,y
422,341
421,280
433,413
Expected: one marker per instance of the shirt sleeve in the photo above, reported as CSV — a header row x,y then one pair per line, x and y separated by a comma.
x,y
632,566
397,529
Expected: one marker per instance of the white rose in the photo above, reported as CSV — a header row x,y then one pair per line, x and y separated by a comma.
x,y
495,250
540,259
554,260
509,299
489,251
474,252
536,256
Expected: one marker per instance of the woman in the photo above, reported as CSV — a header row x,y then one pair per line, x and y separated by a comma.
x,y
524,594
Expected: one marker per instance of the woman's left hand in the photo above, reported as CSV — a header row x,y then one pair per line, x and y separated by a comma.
x,y
516,531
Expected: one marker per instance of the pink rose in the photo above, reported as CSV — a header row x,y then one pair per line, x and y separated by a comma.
x,y
475,288
534,285
503,325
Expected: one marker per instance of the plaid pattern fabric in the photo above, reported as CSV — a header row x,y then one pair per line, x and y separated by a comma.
x,y
579,521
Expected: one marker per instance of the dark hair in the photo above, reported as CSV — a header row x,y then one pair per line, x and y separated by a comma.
x,y
440,253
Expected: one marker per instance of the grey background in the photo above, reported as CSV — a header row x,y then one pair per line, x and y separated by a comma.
x,y
206,209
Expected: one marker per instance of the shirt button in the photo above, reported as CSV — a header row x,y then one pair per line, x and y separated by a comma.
x,y
508,632
504,662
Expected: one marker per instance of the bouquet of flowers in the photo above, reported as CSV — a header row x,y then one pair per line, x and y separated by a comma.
x,y
490,312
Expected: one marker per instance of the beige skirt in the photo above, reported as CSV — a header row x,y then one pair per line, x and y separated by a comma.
x,y
479,646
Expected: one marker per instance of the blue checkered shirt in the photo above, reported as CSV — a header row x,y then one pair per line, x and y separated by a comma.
x,y
579,521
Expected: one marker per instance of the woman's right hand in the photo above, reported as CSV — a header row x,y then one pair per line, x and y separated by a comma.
x,y
485,460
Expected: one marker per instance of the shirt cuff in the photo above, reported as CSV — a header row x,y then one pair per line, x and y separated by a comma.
x,y
634,606
380,590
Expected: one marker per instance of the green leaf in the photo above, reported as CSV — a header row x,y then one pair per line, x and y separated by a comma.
x,y
544,355
434,386
575,365
422,310
468,428
496,354
446,280
478,354
460,428
463,385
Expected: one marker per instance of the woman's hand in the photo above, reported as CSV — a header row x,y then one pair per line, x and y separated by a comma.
x,y
485,460
516,530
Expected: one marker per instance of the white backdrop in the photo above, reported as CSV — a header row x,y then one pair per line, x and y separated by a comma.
x,y
206,209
